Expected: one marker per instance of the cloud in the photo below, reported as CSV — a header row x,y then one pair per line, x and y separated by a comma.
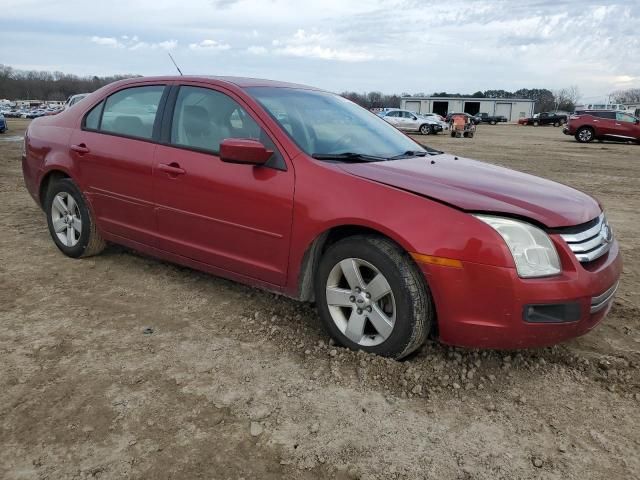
x,y
133,43
210,45
107,41
386,45
257,50
322,45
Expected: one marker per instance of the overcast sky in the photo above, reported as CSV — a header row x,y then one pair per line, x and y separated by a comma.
x,y
392,46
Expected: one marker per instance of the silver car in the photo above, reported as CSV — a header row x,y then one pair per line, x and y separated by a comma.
x,y
411,122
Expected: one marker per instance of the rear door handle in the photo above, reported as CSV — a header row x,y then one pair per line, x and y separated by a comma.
x,y
172,169
81,148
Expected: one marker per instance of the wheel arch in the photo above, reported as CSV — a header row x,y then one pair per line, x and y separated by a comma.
x,y
313,253
49,176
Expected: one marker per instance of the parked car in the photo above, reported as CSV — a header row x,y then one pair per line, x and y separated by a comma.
x,y
589,125
304,193
437,118
411,122
546,118
475,120
484,117
73,99
3,124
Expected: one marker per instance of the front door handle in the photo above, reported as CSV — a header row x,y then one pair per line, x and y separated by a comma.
x,y
172,169
80,148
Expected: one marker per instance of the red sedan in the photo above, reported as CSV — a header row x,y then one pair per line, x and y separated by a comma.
x,y
302,192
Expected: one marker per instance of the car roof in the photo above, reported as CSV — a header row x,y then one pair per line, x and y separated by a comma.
x,y
241,82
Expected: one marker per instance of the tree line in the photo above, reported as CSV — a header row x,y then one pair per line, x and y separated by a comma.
x,y
44,85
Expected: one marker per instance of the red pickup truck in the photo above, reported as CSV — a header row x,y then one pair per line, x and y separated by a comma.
x,y
589,125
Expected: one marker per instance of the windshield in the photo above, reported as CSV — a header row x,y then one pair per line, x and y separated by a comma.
x,y
324,124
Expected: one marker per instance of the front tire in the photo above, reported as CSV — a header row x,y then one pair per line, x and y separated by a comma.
x,y
585,134
371,296
71,225
535,124
424,129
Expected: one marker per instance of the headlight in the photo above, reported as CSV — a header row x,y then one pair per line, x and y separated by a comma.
x,y
531,248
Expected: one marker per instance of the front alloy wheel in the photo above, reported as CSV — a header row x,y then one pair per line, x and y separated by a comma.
x,y
372,296
361,302
424,130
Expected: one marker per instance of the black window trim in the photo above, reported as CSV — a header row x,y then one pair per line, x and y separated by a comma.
x,y
155,133
167,125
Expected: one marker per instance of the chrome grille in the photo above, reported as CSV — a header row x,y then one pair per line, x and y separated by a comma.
x,y
591,243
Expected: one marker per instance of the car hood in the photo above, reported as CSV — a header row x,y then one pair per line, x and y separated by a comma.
x,y
481,187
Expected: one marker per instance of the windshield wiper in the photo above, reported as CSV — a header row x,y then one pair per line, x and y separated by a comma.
x,y
348,157
417,153
409,154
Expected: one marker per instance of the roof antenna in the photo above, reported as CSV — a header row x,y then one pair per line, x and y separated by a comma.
x,y
176,65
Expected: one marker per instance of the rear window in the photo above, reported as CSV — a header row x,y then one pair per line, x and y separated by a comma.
x,y
611,115
131,112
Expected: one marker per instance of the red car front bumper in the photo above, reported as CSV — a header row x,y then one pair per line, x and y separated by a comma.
x,y
483,306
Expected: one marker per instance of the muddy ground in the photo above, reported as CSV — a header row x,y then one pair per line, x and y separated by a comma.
x,y
237,383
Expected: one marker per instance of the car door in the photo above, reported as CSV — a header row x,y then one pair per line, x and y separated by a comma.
x,y
231,216
411,122
626,126
604,123
114,151
393,118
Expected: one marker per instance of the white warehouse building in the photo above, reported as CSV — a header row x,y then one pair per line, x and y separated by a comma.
x,y
512,108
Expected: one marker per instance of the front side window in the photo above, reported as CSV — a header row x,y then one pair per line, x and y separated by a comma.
x,y
132,111
203,118
624,117
322,123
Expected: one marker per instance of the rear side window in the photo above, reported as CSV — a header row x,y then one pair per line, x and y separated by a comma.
x,y
92,120
610,115
132,111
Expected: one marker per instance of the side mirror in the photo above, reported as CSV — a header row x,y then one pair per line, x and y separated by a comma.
x,y
245,151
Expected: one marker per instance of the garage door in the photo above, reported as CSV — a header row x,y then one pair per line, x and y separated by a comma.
x,y
504,109
412,106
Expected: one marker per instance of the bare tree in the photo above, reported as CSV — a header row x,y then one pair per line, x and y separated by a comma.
x,y
630,95
566,98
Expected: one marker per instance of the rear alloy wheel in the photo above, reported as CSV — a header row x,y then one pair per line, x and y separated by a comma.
x,y
535,124
585,135
424,129
371,296
70,223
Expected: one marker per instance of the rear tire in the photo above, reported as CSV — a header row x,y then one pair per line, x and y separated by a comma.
x,y
492,122
535,124
556,124
371,296
585,134
71,225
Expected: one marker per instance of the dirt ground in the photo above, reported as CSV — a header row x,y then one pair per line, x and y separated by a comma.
x,y
236,383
